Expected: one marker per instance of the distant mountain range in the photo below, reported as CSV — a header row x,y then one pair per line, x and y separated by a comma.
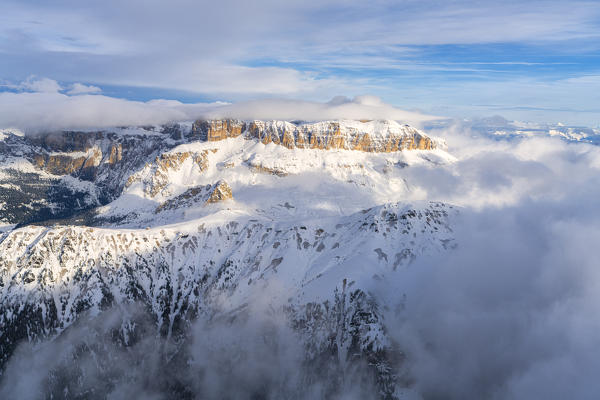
x,y
499,128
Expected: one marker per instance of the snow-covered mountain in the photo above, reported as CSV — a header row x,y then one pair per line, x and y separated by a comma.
x,y
203,221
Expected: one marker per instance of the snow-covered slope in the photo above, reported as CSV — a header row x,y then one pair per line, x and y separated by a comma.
x,y
264,178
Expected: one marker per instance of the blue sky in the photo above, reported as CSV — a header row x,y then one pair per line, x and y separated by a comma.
x,y
534,61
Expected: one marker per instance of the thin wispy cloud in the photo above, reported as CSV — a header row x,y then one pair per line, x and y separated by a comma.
x,y
79,88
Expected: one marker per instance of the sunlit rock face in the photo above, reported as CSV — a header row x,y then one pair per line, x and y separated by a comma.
x,y
84,153
368,136
220,192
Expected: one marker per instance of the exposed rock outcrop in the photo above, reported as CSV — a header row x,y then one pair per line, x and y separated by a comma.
x,y
208,194
105,158
66,164
220,192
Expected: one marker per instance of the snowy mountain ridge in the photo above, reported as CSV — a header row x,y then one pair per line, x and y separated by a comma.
x,y
194,222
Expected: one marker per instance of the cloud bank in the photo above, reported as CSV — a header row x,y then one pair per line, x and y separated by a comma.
x,y
513,311
359,107
49,110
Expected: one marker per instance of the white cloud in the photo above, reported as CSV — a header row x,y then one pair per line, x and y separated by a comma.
x,y
504,173
513,311
79,88
40,85
361,107
52,111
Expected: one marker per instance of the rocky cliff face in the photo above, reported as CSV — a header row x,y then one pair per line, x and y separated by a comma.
x,y
60,174
214,130
369,136
102,157
155,175
380,136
